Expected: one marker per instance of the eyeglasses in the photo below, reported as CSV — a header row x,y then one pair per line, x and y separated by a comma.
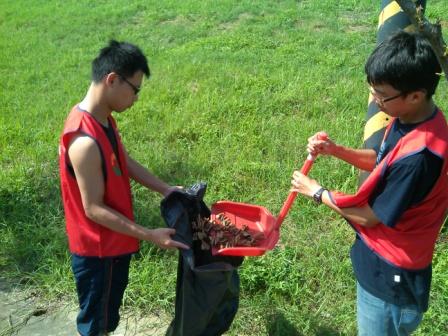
x,y
136,89
384,100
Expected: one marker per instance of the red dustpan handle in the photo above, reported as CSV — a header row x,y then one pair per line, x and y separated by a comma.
x,y
292,195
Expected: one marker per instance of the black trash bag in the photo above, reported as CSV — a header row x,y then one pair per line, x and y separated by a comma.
x,y
207,288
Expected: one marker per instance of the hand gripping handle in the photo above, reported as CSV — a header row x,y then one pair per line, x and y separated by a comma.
x,y
292,195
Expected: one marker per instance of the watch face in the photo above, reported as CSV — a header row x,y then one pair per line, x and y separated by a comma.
x,y
318,196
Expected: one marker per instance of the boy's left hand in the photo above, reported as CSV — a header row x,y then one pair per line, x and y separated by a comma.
x,y
171,189
303,184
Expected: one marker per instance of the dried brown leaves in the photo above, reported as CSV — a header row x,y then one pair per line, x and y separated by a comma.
x,y
221,232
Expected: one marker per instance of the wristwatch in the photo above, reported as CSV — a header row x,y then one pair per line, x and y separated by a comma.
x,y
317,197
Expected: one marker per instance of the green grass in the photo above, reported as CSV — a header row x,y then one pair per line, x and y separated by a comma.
x,y
237,88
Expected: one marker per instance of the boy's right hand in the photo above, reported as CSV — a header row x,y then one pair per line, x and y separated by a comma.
x,y
320,144
162,238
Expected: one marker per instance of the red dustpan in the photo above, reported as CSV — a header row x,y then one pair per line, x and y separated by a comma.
x,y
258,220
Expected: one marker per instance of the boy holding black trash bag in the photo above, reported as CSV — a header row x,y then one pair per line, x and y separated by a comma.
x,y
95,171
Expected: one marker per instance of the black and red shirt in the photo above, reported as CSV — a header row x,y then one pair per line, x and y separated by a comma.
x,y
406,192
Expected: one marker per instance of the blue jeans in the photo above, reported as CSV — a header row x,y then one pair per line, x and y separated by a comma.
x,y
379,318
100,283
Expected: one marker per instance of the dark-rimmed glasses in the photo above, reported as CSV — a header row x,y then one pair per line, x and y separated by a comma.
x,y
135,88
384,100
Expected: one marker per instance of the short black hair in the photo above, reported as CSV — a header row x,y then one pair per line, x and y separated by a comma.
x,y
405,61
121,57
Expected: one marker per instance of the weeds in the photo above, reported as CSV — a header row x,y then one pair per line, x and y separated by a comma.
x,y
237,88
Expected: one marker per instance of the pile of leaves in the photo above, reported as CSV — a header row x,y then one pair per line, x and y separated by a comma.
x,y
221,233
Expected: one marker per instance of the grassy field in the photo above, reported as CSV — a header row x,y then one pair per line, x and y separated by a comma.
x,y
237,88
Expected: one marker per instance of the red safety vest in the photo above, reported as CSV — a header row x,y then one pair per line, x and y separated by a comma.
x,y
410,243
85,237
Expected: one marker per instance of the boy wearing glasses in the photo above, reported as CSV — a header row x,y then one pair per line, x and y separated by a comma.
x,y
398,212
95,169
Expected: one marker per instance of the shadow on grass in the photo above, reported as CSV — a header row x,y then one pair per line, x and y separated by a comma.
x,y
31,222
278,325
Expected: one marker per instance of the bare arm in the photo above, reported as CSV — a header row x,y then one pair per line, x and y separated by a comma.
x,y
86,161
364,159
141,175
362,215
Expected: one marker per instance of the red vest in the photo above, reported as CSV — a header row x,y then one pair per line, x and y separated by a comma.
x,y
410,243
85,237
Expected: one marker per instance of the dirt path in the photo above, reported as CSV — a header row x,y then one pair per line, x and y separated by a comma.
x,y
23,314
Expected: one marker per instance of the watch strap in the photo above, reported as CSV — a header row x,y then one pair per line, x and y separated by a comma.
x,y
317,197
